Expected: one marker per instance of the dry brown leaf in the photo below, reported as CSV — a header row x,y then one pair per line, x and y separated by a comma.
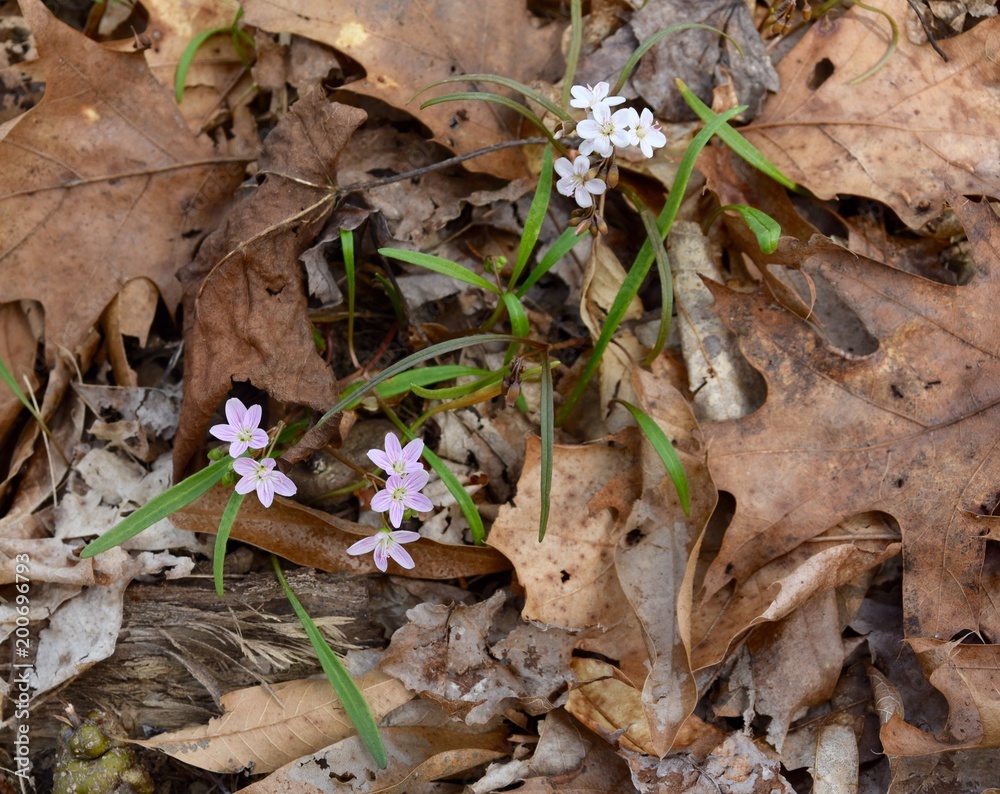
x,y
245,299
103,182
442,653
405,46
416,755
608,706
265,727
18,347
311,537
917,133
906,430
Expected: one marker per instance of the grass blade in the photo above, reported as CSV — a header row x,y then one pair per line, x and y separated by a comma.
x,y
440,265
765,228
159,507
737,142
458,391
655,435
222,537
506,82
637,274
507,102
556,251
547,434
187,57
351,699
347,247
536,216
519,326
575,45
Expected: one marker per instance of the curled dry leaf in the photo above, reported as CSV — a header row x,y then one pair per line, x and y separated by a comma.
x,y
245,304
392,41
915,134
101,168
311,537
264,728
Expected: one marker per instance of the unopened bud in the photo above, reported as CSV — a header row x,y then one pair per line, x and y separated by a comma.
x,y
612,178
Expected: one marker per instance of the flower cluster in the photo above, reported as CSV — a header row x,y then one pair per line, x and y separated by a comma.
x,y
243,433
603,132
402,491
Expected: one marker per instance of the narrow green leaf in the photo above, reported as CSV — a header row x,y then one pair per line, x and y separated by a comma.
x,y
395,299
184,64
893,42
415,380
666,278
506,82
640,268
457,391
410,361
556,251
655,435
351,698
737,142
8,377
765,228
643,48
440,265
507,102
347,247
518,319
222,537
547,434
160,506
536,216
575,45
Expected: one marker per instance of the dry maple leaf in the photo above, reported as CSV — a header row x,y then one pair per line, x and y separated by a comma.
x,y
405,46
908,430
913,135
103,183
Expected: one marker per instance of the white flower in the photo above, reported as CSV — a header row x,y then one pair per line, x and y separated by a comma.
x,y
604,132
242,430
396,459
574,180
592,98
262,476
386,544
645,131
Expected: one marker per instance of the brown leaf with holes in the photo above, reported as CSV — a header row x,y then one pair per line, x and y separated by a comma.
x,y
915,134
404,46
245,303
103,183
908,430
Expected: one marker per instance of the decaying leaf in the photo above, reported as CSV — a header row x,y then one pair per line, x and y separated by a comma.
x,y
103,183
245,298
907,430
404,46
917,133
264,728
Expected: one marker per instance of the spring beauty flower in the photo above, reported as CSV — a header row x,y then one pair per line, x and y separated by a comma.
x,y
645,132
396,459
574,180
402,492
387,544
242,431
604,131
591,98
262,476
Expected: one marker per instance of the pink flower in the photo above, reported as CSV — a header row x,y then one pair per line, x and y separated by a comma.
x,y
574,180
242,430
401,492
387,544
262,475
396,459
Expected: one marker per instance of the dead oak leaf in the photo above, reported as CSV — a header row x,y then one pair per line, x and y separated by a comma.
x,y
404,46
916,133
909,430
245,298
103,183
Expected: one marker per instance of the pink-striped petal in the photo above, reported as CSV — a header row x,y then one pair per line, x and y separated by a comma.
x,y
401,555
364,546
418,502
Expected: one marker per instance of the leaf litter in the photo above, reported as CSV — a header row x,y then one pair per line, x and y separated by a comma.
x,y
832,403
